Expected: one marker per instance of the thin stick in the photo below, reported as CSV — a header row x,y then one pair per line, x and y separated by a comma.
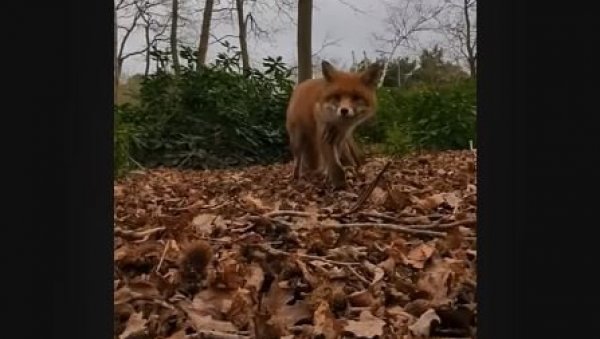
x,y
283,213
439,226
198,205
277,252
407,219
137,234
361,200
206,334
360,277
390,227
164,253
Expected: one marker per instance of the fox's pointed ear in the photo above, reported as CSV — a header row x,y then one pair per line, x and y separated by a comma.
x,y
371,75
328,70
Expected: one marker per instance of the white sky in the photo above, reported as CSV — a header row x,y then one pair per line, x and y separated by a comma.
x,y
332,20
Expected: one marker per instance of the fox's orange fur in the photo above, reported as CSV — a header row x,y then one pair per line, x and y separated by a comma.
x,y
322,115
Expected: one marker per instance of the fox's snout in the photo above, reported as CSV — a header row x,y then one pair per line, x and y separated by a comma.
x,y
345,112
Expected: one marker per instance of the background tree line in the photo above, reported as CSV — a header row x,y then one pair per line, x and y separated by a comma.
x,y
186,110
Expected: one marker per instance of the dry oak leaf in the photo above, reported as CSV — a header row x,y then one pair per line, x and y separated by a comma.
x,y
452,199
178,335
417,256
398,317
240,311
422,327
396,199
255,277
212,302
136,324
229,273
388,265
206,322
289,315
430,202
437,280
255,203
378,196
203,223
325,323
283,315
368,326
362,298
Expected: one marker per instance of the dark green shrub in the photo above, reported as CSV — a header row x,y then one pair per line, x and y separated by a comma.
x,y
212,117
121,145
424,117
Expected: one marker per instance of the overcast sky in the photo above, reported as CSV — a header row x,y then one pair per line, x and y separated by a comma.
x,y
332,20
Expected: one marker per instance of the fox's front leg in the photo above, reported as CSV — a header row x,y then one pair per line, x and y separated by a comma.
x,y
335,171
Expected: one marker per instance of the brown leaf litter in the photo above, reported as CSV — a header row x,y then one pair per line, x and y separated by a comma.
x,y
248,253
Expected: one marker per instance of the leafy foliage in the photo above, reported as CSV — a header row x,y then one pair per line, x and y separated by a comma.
x,y
121,144
214,116
434,108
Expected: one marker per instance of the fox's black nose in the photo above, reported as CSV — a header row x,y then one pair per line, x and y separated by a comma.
x,y
344,111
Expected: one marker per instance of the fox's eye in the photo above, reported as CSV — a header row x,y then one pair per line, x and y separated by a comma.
x,y
335,97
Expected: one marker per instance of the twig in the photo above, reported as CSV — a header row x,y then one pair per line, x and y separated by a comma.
x,y
276,252
261,218
140,297
365,195
198,205
390,227
407,219
440,226
135,234
162,257
284,213
360,277
206,334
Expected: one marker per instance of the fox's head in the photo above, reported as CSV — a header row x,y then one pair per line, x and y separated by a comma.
x,y
349,96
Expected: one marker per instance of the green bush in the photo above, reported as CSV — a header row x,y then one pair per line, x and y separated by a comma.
x,y
215,116
121,145
424,117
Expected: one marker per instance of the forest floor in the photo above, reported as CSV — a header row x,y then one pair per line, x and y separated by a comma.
x,y
250,254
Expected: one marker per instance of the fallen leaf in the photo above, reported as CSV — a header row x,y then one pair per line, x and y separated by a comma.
x,y
452,199
396,199
178,335
256,203
240,312
417,256
378,196
378,275
203,223
212,302
255,278
208,323
367,326
388,265
289,315
431,202
308,276
324,322
437,281
361,298
422,327
136,324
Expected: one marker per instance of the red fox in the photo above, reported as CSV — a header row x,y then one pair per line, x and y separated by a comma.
x,y
322,115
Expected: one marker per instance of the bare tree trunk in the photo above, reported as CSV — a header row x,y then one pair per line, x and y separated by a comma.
x,y
204,33
470,53
304,40
174,22
148,46
242,35
115,45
